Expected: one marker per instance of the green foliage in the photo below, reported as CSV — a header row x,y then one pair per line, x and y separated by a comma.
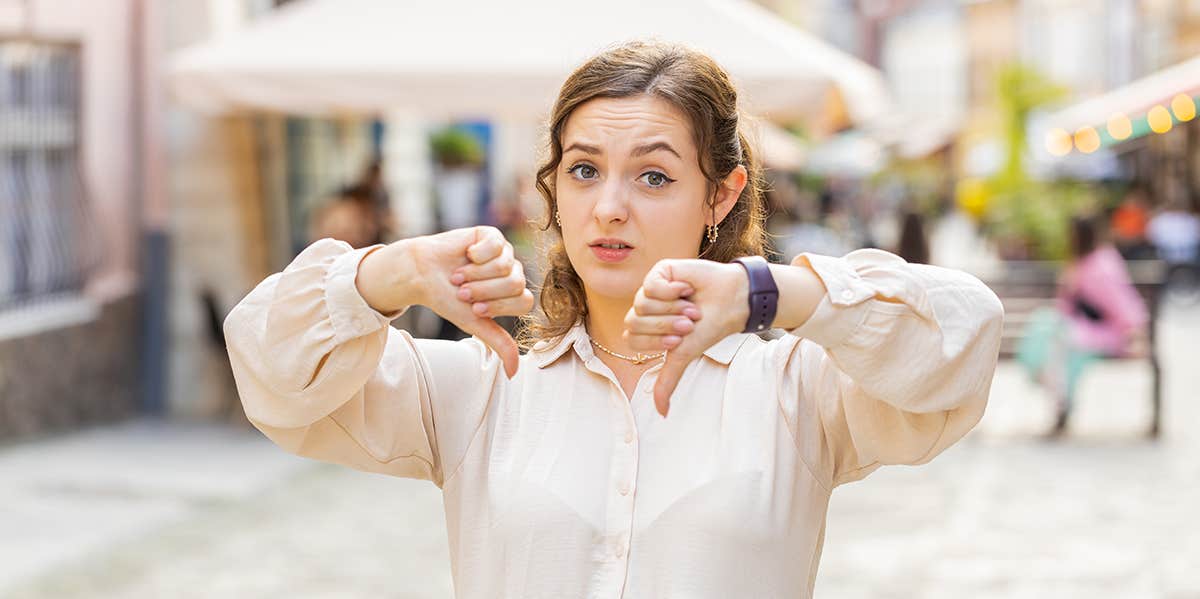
x,y
1029,218
1020,90
453,146
1032,221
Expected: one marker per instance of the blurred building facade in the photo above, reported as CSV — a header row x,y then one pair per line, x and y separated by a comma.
x,y
131,226
72,211
942,59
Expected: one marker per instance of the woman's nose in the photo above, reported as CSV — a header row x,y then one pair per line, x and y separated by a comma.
x,y
612,204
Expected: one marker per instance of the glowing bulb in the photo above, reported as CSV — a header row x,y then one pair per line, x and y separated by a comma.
x,y
1087,140
1119,126
1184,107
1058,142
1159,119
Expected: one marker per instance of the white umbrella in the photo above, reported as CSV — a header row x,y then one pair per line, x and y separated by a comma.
x,y
506,60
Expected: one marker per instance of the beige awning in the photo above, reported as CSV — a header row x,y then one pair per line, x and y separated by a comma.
x,y
463,58
1133,99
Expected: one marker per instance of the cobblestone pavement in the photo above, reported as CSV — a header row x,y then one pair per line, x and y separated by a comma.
x,y
1005,514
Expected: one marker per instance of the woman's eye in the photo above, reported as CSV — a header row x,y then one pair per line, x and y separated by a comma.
x,y
583,171
657,179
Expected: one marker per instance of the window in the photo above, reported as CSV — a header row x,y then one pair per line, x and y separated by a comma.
x,y
46,236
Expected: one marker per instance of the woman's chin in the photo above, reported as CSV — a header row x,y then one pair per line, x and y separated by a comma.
x,y
610,282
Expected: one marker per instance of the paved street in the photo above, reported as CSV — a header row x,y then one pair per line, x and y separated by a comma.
x,y
146,510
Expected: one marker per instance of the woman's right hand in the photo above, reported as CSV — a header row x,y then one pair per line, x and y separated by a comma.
x,y
467,276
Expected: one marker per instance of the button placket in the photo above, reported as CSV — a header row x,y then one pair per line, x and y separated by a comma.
x,y
622,477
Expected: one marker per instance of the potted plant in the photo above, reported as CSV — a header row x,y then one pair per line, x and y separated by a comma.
x,y
458,178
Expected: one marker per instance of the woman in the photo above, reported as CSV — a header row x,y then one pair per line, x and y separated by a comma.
x,y
1098,313
560,476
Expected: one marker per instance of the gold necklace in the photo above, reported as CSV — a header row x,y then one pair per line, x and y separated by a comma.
x,y
638,359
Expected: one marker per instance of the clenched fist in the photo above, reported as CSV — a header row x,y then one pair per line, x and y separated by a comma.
x,y
467,276
685,306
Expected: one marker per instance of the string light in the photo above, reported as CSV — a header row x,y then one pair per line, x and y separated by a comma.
x,y
1159,119
1087,140
1184,107
1058,142
1119,126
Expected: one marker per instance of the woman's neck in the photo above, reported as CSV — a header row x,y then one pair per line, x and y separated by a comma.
x,y
606,322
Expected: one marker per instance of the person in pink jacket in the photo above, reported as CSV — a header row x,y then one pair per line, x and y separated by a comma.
x,y
1098,313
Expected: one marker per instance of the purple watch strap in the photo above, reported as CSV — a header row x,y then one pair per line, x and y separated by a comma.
x,y
763,296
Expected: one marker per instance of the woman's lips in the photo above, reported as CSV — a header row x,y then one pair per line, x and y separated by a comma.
x,y
611,254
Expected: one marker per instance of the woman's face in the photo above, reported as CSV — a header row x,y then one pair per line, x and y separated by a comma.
x,y
630,191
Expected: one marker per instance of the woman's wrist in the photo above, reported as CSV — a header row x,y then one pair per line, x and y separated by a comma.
x,y
800,292
388,278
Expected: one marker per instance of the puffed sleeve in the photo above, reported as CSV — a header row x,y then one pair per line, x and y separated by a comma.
x,y
893,367
323,375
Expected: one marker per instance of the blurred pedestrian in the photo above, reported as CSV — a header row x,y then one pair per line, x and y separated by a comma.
x,y
347,216
1128,224
1175,233
913,245
1098,313
359,213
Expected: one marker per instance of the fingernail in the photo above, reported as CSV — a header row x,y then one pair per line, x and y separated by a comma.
x,y
480,308
691,313
671,340
457,278
464,294
683,325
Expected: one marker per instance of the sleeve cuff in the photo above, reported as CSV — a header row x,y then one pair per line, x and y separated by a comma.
x,y
846,303
352,317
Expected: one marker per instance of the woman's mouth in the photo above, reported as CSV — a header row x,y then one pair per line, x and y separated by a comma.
x,y
611,250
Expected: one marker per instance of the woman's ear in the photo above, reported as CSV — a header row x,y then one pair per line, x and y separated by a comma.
x,y
729,192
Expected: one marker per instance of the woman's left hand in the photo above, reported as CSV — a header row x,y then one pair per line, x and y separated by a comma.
x,y
684,307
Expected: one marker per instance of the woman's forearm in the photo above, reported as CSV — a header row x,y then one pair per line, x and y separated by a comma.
x,y
800,291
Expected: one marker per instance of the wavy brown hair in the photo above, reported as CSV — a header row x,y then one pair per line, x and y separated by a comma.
x,y
699,88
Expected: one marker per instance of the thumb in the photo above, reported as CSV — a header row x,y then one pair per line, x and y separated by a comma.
x,y
495,337
668,379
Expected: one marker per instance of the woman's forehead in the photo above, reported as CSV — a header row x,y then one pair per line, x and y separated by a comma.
x,y
621,123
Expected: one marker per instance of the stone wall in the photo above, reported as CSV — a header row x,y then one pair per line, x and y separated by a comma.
x,y
74,376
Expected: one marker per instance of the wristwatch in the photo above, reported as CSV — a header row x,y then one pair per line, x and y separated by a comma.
x,y
763,296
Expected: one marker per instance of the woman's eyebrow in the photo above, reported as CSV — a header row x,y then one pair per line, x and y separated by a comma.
x,y
638,151
583,148
658,145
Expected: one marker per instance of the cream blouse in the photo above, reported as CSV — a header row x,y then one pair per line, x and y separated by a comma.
x,y
557,485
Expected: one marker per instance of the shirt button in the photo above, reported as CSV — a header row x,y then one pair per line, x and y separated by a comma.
x,y
619,550
624,489
847,294
628,437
